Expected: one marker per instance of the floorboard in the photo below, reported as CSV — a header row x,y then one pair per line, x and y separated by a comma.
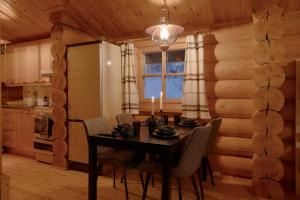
x,y
32,180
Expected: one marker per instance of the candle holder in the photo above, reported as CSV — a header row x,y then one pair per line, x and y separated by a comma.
x,y
152,124
162,118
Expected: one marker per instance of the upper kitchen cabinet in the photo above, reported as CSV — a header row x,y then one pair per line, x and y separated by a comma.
x,y
11,66
2,67
45,61
28,65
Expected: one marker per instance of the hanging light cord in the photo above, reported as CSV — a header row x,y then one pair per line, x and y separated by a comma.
x,y
164,12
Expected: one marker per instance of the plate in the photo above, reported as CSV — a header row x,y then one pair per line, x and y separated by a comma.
x,y
189,125
156,135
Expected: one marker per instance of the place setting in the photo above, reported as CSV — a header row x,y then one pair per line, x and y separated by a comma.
x,y
189,122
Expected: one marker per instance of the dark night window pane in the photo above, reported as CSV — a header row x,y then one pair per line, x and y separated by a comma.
x,y
153,63
152,87
175,61
174,87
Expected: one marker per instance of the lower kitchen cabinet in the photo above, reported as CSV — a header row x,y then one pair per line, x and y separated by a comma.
x,y
18,130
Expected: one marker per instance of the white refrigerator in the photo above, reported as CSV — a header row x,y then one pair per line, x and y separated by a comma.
x,y
94,90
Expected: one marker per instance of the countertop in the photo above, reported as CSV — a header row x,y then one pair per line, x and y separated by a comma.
x,y
25,107
18,106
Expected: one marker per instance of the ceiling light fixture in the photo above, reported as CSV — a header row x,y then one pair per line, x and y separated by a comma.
x,y
164,34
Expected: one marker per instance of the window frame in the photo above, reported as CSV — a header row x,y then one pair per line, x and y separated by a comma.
x,y
164,74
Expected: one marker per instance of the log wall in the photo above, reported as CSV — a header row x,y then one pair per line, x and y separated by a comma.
x,y
230,88
61,35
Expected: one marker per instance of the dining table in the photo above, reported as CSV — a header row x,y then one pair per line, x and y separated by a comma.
x,y
142,142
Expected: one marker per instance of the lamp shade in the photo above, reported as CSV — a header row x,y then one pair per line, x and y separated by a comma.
x,y
164,34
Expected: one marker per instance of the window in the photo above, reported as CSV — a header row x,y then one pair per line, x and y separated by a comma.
x,y
163,71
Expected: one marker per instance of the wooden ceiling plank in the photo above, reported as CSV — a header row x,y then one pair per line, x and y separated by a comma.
x,y
114,15
115,19
95,18
203,11
34,14
137,13
17,16
184,16
14,20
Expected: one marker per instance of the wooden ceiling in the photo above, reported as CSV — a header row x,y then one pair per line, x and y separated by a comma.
x,y
121,19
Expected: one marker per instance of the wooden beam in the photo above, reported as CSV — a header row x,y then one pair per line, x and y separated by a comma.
x,y
73,26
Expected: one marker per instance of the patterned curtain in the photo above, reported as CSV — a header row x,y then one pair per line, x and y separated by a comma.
x,y
130,101
194,101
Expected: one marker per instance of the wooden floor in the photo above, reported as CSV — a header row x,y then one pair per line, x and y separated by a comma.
x,y
31,180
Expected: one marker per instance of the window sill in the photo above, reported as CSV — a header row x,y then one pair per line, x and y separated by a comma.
x,y
168,107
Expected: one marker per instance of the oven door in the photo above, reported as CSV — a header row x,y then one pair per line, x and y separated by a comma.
x,y
41,125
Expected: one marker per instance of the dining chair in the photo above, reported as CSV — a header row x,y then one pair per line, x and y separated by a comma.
x,y
117,158
125,118
215,126
188,164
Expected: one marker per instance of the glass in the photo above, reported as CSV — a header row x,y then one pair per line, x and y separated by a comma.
x,y
152,87
136,125
174,85
175,61
153,63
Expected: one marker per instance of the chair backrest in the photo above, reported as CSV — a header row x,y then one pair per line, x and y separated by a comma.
x,y
97,125
191,155
215,126
125,118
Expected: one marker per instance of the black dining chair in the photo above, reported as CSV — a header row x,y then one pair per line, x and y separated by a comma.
x,y
117,158
127,118
188,164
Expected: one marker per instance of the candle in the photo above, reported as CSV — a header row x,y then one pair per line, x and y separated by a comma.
x,y
160,101
152,112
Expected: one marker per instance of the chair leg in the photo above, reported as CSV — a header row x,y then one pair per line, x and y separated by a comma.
x,y
201,186
122,177
114,177
142,180
146,186
152,179
210,173
125,183
204,168
179,189
195,187
100,169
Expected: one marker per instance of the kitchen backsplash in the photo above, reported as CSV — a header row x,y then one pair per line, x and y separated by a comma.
x,y
35,94
40,91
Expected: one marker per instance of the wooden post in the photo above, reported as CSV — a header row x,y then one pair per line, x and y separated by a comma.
x,y
61,35
268,54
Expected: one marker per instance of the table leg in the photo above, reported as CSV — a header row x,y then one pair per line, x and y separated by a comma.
x,y
204,168
166,172
92,171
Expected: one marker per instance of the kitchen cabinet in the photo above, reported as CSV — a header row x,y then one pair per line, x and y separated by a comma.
x,y
32,64
9,127
26,63
2,67
25,131
45,61
11,66
18,129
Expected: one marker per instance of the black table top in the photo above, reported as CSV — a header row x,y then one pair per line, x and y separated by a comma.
x,y
143,142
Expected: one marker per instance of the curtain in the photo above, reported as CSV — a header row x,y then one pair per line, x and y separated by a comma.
x,y
130,97
194,101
